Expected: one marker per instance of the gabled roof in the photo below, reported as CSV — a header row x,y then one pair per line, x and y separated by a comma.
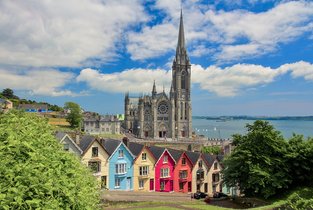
x,y
193,156
156,151
176,154
111,145
61,137
135,148
209,159
85,142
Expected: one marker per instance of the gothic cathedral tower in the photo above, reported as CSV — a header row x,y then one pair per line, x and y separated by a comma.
x,y
180,90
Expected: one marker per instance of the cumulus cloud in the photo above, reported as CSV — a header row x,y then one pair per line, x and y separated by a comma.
x,y
224,82
64,33
238,34
132,80
48,82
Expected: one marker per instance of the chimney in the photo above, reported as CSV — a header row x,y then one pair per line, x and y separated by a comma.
x,y
126,141
77,139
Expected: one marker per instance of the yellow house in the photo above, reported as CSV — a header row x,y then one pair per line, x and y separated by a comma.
x,y
96,158
199,172
214,175
143,167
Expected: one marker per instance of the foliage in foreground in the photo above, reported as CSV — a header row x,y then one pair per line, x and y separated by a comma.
x,y
35,173
301,199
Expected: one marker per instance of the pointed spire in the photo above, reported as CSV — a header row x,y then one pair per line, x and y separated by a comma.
x,y
181,34
172,91
154,90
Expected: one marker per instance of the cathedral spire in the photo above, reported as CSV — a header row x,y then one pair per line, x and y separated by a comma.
x,y
154,90
181,34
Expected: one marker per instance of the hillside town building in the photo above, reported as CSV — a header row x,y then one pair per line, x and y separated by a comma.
x,y
161,115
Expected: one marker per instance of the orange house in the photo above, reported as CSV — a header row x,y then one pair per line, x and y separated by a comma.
x,y
182,171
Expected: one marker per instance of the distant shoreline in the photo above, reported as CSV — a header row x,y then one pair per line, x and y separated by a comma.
x,y
227,118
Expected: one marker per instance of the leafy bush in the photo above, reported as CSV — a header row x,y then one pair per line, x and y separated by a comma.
x,y
35,173
301,199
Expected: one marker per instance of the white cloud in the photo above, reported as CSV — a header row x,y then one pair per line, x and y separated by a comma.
x,y
46,82
224,82
64,33
132,80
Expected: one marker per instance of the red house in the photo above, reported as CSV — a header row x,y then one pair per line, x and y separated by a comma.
x,y
164,169
182,171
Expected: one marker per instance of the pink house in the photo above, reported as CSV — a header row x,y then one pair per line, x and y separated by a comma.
x,y
164,169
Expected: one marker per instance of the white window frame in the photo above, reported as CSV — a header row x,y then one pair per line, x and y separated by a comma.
x,y
165,172
120,168
117,183
144,156
141,183
120,153
165,159
143,170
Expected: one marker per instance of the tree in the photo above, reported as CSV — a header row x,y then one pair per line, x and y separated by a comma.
x,y
74,116
8,93
258,163
300,160
35,172
214,150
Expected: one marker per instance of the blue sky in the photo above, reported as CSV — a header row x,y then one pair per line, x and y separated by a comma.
x,y
249,57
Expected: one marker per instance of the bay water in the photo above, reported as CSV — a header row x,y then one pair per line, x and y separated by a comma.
x,y
225,129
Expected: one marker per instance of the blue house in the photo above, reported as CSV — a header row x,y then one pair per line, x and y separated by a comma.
x,y
121,172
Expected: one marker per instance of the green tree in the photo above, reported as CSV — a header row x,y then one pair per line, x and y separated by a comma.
x,y
214,150
74,116
8,93
258,164
35,172
300,160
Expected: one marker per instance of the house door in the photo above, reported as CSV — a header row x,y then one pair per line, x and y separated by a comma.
x,y
162,185
171,186
205,187
103,181
128,183
151,184
189,186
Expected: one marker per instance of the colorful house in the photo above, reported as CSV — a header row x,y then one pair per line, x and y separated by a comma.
x,y
143,167
164,169
120,165
199,172
96,158
68,143
214,176
182,171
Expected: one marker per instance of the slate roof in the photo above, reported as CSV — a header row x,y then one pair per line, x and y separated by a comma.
x,y
156,151
175,154
85,142
209,159
135,148
193,156
60,135
110,145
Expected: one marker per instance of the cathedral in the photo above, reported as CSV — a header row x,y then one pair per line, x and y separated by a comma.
x,y
160,115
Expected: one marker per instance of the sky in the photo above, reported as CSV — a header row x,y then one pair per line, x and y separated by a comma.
x,y
249,57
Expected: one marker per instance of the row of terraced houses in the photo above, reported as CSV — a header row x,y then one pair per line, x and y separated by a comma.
x,y
124,165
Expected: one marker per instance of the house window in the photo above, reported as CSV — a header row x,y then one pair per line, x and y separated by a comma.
x,y
215,177
121,153
107,129
141,183
120,168
165,159
66,147
143,170
215,166
94,166
144,156
94,152
117,182
200,175
200,164
183,161
183,174
181,185
164,172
